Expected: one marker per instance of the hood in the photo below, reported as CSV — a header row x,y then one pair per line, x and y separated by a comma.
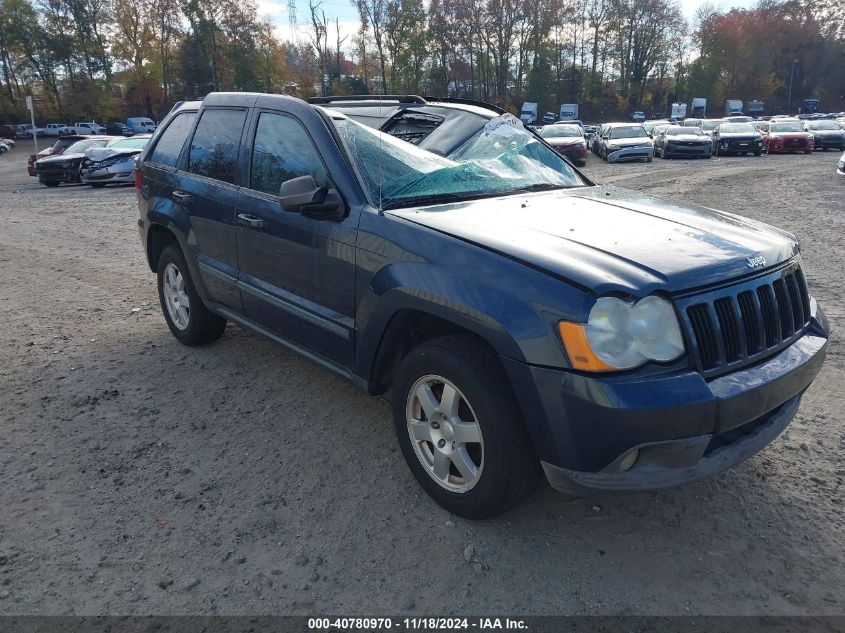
x,y
627,142
60,158
608,239
687,138
96,154
561,141
824,133
791,134
734,136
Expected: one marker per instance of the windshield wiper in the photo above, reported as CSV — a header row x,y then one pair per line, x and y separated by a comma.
x,y
436,198
540,186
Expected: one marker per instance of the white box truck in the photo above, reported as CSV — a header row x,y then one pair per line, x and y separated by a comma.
x,y
679,111
568,112
733,107
699,107
529,113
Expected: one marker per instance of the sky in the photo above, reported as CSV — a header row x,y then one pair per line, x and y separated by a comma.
x,y
346,13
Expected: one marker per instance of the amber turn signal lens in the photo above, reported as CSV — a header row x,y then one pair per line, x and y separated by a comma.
x,y
574,337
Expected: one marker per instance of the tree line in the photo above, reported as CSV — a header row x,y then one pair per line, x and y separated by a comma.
x,y
106,59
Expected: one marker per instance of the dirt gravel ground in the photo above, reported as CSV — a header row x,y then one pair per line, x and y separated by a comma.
x,y
138,476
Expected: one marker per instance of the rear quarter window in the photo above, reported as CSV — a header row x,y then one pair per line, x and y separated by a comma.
x,y
170,143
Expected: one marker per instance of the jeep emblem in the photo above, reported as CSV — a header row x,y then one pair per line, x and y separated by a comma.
x,y
756,262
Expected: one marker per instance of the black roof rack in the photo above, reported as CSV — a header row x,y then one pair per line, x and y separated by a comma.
x,y
472,102
399,98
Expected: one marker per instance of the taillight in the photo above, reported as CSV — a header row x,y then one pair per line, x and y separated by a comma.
x,y
139,177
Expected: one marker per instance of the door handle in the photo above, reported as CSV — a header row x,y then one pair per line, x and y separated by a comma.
x,y
251,222
180,197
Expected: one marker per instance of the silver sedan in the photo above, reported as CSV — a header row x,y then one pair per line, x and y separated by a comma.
x,y
113,163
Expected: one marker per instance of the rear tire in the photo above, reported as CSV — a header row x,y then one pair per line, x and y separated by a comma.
x,y
503,469
51,183
97,185
186,315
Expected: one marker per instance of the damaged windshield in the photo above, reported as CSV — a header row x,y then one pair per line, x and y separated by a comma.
x,y
501,158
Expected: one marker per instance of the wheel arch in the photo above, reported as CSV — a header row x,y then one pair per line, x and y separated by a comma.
x,y
408,328
159,237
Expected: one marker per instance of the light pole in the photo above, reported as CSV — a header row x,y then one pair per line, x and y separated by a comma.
x,y
791,74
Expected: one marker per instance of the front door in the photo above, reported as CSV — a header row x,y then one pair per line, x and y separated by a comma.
x,y
297,274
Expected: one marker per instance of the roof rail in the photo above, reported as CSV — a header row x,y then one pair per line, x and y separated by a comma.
x,y
472,102
399,98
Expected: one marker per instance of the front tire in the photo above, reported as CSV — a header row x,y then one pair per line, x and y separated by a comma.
x,y
186,315
460,428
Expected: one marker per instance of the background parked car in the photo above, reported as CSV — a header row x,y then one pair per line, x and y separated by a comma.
x,y
4,147
827,134
626,141
13,132
650,125
708,125
54,170
117,128
676,140
140,125
567,140
692,123
55,149
113,163
786,135
737,138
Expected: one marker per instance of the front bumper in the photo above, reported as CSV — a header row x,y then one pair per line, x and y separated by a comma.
x,y
828,143
629,153
58,174
674,149
740,147
785,147
647,431
106,175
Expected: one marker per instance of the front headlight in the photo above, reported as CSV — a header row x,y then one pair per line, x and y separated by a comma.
x,y
623,335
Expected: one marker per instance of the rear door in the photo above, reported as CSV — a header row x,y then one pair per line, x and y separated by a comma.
x,y
208,192
297,274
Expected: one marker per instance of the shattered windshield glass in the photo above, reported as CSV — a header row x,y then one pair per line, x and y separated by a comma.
x,y
502,157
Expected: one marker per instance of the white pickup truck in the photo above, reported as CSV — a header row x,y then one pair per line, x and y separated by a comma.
x,y
55,129
90,127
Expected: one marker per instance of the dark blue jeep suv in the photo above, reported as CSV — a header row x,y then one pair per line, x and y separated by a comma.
x,y
519,313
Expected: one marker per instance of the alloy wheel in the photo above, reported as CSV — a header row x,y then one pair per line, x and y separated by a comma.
x,y
445,433
176,296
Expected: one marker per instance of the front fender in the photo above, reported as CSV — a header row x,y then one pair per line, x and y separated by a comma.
x,y
513,325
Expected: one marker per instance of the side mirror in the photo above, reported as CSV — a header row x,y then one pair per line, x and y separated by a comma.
x,y
302,195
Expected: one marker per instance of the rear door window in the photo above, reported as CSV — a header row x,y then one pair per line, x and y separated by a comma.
x,y
170,143
214,148
283,150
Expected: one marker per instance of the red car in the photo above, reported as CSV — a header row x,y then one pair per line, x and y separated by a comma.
x,y
786,136
54,150
567,139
